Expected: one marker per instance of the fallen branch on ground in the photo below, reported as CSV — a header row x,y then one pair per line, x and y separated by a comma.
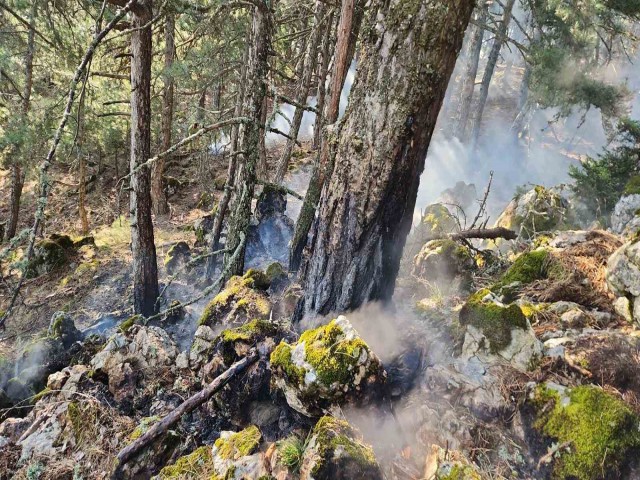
x,y
481,233
185,407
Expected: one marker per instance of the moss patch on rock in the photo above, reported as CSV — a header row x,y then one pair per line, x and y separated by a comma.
x,y
633,186
197,465
145,424
599,429
527,268
493,319
239,444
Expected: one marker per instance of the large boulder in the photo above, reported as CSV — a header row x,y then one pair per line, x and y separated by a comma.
x,y
538,210
177,256
623,278
335,452
436,221
327,366
625,219
497,329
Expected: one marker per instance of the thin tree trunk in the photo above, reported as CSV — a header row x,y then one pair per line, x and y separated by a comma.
x,y
145,274
471,71
323,72
261,170
249,134
304,82
158,197
82,166
366,207
492,60
323,166
231,173
17,173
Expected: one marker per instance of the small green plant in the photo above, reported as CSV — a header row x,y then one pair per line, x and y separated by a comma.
x,y
291,451
34,471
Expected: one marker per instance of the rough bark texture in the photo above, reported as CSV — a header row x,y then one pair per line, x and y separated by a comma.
x,y
323,71
158,197
351,16
366,208
145,275
471,71
249,134
492,60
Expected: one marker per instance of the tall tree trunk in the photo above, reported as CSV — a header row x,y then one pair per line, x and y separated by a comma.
x,y
323,72
366,208
304,82
145,274
249,134
17,173
158,197
347,36
471,71
492,60
82,165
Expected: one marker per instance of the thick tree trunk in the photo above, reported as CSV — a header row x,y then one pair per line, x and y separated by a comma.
x,y
471,71
366,208
492,60
145,275
158,197
249,134
17,173
304,82
351,17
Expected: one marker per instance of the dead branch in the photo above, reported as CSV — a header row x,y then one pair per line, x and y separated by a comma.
x,y
185,407
481,233
483,203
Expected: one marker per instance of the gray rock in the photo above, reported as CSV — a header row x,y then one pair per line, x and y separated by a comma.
x,y
625,219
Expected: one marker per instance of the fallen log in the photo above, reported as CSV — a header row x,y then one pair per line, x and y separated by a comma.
x,y
190,404
483,233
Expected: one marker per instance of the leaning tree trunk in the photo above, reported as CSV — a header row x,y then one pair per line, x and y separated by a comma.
x,y
323,71
249,133
471,71
145,274
351,15
492,60
366,208
17,174
304,82
158,197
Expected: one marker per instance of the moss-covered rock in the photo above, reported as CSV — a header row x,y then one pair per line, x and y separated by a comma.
x,y
538,210
236,456
335,452
49,254
599,431
197,465
445,263
63,329
241,300
328,365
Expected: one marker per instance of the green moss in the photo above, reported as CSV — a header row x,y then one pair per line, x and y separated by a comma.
x,y
531,310
527,268
600,430
126,325
260,279
197,465
437,219
633,186
331,355
239,444
460,472
145,424
249,331
332,434
275,270
495,321
41,394
239,293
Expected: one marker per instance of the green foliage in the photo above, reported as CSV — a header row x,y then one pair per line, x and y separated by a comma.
x,y
239,444
291,451
599,182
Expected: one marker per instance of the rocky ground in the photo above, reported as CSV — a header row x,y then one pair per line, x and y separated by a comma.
x,y
506,359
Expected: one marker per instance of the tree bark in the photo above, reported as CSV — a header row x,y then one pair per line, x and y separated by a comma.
x,y
249,133
145,275
82,165
471,71
304,82
323,72
347,36
366,207
492,60
158,197
17,173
